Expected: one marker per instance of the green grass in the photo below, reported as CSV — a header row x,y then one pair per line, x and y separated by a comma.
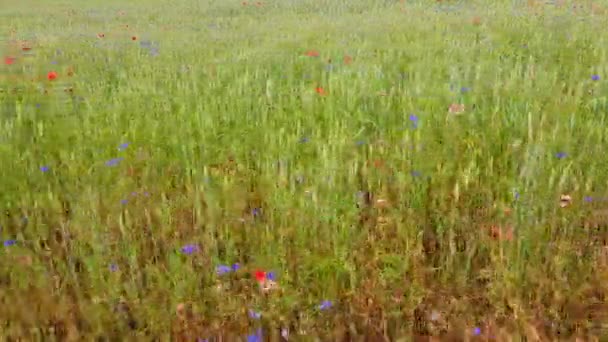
x,y
232,150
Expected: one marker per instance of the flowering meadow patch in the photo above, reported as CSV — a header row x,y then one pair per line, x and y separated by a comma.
x,y
139,148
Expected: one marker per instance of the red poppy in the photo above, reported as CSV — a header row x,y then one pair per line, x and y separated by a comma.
x,y
260,276
312,53
348,60
9,60
51,75
133,38
321,91
26,48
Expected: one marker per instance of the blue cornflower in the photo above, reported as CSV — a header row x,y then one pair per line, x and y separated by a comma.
x,y
123,146
414,120
235,267
326,304
44,168
271,276
189,249
465,89
256,211
515,194
223,269
304,140
124,201
254,315
9,243
595,77
113,162
257,337
113,267
476,331
588,199
561,155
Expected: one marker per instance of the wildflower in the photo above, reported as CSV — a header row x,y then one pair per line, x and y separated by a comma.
x,y
565,200
312,53
8,243
271,276
360,142
133,38
257,337
326,304
465,89
223,269
260,276
414,120
588,199
189,249
321,91
256,212
254,315
124,201
348,60
44,168
123,146
415,173
456,108
113,161
51,75
561,155
285,333
9,60
476,331
304,140
595,77
113,267
498,233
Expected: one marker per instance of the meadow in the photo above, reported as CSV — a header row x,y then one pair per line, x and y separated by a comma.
x,y
307,170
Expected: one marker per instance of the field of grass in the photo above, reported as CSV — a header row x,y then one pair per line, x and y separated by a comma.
x,y
220,170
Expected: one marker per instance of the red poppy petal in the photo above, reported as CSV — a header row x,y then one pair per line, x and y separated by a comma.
x,y
260,276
